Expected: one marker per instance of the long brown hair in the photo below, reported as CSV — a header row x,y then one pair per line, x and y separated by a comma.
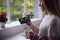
x,y
52,6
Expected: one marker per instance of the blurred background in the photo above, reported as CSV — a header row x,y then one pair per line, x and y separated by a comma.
x,y
20,8
15,9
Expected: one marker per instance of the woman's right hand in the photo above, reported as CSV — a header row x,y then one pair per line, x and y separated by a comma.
x,y
33,27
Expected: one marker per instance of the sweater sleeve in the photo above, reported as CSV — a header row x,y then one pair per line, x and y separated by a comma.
x,y
52,28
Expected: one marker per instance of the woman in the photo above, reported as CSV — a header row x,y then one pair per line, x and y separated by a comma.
x,y
50,25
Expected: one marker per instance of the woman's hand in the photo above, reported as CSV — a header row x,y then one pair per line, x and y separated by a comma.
x,y
29,23
33,27
33,36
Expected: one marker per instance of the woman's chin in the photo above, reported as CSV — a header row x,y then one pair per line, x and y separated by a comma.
x,y
42,10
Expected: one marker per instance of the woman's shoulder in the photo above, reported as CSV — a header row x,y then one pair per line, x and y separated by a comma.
x,y
52,20
48,19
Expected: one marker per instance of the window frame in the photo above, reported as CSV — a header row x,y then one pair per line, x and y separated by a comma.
x,y
36,9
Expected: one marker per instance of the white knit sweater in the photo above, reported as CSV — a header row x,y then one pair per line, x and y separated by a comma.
x,y
50,26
